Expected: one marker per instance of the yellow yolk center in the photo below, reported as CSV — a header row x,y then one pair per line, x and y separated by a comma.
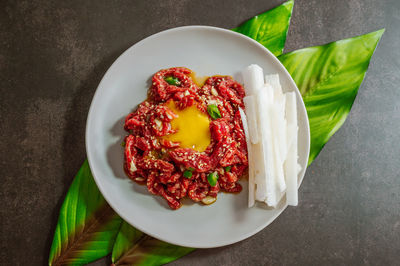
x,y
192,127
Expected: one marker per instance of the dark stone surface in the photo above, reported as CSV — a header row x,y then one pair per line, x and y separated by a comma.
x,y
53,55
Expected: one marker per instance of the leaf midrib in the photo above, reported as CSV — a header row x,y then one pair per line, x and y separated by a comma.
x,y
142,239
96,222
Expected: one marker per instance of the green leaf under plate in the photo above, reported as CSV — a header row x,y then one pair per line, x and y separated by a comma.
x,y
87,226
132,247
126,239
328,78
270,28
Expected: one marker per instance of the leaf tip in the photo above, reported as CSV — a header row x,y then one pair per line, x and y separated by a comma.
x,y
288,5
376,34
380,32
375,37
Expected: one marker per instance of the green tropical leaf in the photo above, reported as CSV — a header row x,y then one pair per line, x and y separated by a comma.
x,y
328,78
132,247
270,28
87,226
126,238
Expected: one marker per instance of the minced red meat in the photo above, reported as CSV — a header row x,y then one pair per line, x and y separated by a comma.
x,y
161,164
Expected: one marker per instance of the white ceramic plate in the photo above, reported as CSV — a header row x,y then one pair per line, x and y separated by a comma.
x,y
207,51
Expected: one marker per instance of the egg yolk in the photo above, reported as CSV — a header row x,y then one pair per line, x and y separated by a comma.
x,y
193,127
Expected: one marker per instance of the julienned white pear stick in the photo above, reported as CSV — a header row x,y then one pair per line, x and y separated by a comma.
x,y
277,115
291,165
250,158
250,104
264,103
273,80
261,171
279,102
253,78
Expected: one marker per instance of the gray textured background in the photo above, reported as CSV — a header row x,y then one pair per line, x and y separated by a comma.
x,y
53,55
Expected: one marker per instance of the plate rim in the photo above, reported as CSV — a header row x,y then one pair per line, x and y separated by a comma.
x,y
89,124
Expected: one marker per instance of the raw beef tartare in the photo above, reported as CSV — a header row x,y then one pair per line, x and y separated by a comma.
x,y
187,139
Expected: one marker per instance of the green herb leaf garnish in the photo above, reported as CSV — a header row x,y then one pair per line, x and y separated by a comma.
x,y
212,178
172,81
187,174
228,168
213,110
